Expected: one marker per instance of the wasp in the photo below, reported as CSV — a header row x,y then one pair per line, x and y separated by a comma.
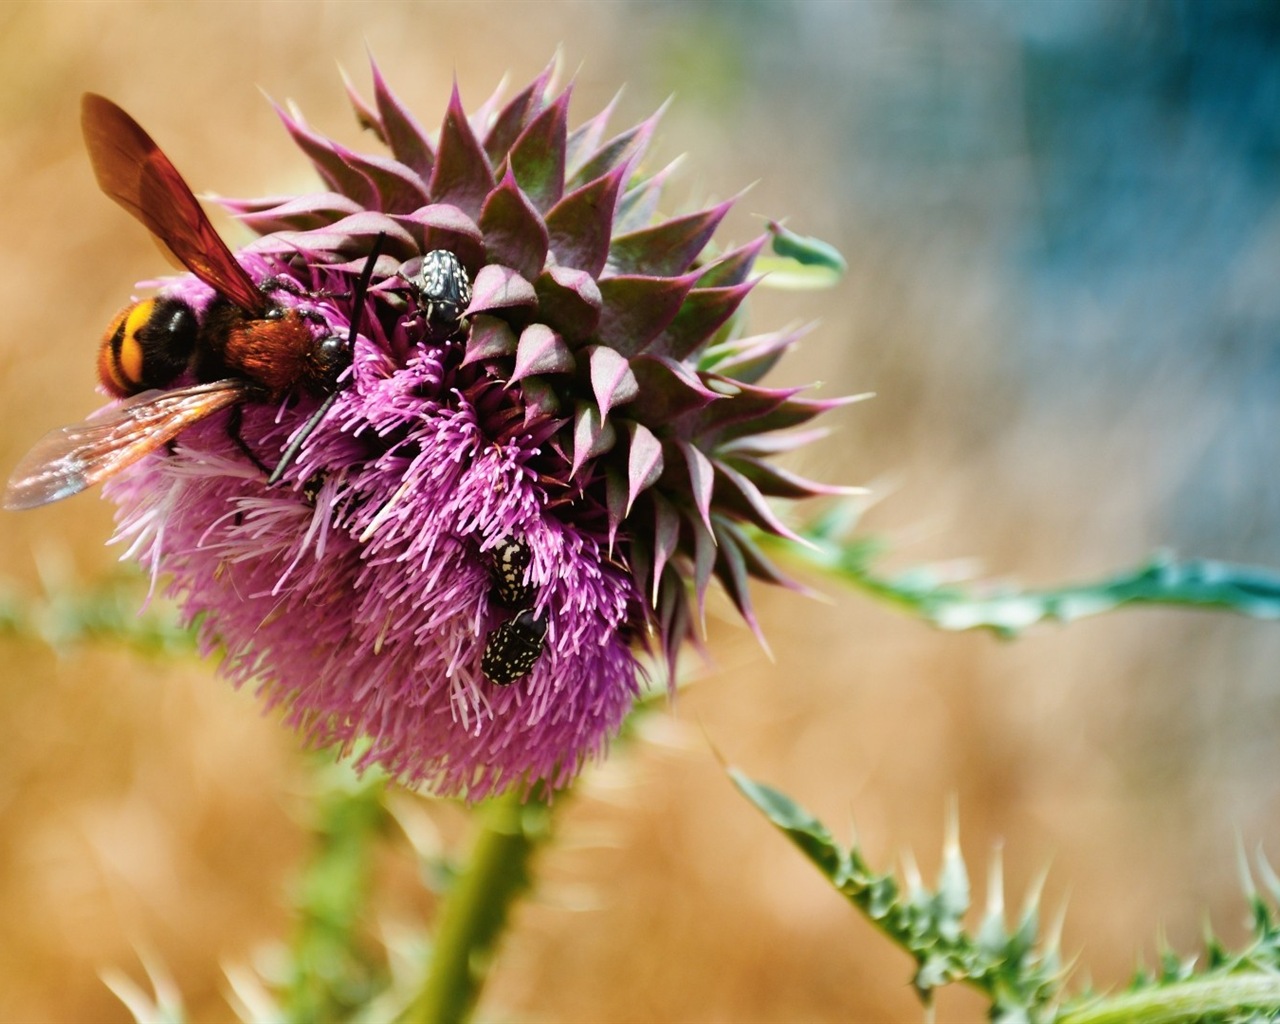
x,y
245,346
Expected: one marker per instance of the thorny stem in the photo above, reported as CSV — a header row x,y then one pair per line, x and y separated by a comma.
x,y
1183,1002
1007,611
474,915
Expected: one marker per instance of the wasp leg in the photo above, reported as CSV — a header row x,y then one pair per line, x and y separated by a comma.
x,y
314,315
234,421
278,283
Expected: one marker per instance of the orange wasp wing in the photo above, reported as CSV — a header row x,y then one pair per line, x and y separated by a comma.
x,y
133,171
66,461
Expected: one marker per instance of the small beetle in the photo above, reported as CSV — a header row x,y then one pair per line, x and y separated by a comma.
x,y
510,560
513,648
442,288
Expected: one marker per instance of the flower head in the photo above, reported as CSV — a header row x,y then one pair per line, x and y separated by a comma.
x,y
549,441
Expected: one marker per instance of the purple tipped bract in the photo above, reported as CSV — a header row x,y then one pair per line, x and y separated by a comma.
x,y
550,440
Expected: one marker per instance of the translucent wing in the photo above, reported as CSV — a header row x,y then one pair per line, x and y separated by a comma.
x,y
133,171
66,461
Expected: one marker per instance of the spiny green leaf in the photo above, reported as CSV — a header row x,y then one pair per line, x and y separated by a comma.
x,y
953,883
1008,610
926,924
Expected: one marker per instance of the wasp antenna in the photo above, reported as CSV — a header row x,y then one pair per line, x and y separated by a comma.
x,y
362,286
295,446
362,289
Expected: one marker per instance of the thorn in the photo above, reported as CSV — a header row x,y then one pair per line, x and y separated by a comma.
x,y
855,841
1031,905
1246,876
951,837
953,878
1269,877
911,875
995,884
1052,943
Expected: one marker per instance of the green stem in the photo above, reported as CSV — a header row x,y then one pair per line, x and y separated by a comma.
x,y
1183,1002
332,969
475,911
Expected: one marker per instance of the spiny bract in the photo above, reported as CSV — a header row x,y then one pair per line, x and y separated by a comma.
x,y
595,405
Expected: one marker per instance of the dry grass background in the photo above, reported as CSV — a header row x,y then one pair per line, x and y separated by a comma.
x,y
145,805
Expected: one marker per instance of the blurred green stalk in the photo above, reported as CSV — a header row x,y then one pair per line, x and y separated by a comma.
x,y
475,912
1185,1002
333,972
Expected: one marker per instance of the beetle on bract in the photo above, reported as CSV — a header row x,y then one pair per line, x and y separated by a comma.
x,y
441,289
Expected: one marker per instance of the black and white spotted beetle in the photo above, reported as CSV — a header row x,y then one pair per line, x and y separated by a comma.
x,y
510,560
442,288
514,647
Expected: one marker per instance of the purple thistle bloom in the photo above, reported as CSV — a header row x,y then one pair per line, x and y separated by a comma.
x,y
511,493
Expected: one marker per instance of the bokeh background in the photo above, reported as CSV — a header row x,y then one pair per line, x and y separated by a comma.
x,y
1062,219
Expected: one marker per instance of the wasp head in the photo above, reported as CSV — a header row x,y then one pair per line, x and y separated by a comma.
x,y
330,357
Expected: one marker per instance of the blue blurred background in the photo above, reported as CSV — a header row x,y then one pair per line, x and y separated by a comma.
x,y
1062,219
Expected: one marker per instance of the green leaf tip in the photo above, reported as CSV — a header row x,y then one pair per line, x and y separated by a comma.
x,y
800,261
801,827
806,250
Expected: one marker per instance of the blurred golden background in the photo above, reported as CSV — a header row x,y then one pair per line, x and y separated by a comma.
x,y
1063,228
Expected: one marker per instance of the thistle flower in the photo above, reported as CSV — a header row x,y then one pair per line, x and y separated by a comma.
x,y
551,439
